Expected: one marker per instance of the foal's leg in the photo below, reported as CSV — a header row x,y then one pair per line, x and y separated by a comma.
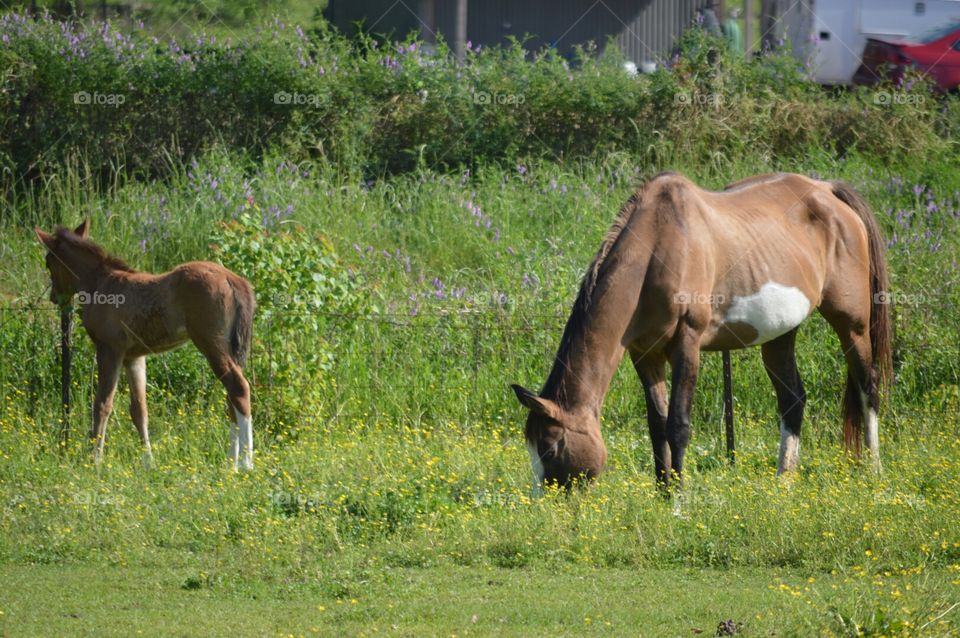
x,y
233,451
108,373
653,377
137,380
685,364
780,361
238,395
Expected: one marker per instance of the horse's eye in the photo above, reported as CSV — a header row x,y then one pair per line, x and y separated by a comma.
x,y
547,451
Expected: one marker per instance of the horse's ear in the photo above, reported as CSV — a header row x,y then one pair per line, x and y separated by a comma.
x,y
532,402
83,229
46,239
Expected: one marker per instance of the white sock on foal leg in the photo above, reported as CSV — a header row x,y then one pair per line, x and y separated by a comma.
x,y
245,426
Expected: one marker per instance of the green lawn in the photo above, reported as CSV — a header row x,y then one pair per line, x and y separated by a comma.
x,y
81,600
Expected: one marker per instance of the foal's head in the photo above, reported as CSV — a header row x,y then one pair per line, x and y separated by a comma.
x,y
563,446
60,261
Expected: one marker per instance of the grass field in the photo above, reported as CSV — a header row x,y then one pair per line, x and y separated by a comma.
x,y
396,474
459,601
391,493
398,297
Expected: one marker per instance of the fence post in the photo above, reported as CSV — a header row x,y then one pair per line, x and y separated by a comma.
x,y
728,407
66,357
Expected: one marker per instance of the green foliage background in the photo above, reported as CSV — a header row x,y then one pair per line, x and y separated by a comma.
x,y
416,230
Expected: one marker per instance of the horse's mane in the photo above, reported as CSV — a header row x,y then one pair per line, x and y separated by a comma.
x,y
70,238
577,320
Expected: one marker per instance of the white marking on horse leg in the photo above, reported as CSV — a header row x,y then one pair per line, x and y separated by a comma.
x,y
245,426
871,431
537,465
772,311
789,450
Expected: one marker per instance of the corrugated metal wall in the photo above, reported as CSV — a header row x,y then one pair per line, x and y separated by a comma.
x,y
644,29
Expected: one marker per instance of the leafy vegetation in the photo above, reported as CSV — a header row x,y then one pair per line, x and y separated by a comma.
x,y
112,100
413,256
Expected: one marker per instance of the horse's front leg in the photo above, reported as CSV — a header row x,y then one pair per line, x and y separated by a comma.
x,y
137,380
780,361
685,364
652,375
108,373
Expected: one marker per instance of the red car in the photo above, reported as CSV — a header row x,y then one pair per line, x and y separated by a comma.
x,y
936,54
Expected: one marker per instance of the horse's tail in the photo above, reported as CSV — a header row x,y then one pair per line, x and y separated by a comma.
x,y
242,331
880,323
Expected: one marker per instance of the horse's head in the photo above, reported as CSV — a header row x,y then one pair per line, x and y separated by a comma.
x,y
63,279
563,445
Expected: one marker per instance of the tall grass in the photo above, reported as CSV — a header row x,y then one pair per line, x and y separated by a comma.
x,y
463,238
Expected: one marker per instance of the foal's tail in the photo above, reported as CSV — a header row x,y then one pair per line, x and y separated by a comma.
x,y
242,331
880,324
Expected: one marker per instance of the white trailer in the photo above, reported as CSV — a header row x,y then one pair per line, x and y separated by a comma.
x,y
829,35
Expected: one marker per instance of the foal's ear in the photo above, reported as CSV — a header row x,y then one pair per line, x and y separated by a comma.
x,y
83,229
532,402
46,239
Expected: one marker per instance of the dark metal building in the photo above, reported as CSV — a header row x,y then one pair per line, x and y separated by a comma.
x,y
645,30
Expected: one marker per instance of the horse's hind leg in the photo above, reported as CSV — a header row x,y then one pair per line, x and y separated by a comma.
x,y
684,364
780,361
238,396
233,451
108,373
861,400
653,377
137,380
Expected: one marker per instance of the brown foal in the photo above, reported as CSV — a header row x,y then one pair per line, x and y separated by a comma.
x,y
130,315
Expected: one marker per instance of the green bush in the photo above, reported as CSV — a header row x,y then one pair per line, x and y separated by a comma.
x,y
130,102
299,284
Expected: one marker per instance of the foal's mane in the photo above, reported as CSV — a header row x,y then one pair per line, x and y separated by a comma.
x,y
576,323
67,236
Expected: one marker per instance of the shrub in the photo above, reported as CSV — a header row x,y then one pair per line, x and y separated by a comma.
x,y
299,284
128,100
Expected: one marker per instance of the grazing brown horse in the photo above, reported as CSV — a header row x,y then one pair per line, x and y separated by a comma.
x,y
130,315
684,270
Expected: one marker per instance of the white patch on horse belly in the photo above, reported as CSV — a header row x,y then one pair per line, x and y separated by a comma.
x,y
537,464
773,311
